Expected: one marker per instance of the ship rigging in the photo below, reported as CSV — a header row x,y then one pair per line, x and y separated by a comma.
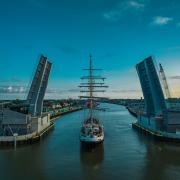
x,y
92,131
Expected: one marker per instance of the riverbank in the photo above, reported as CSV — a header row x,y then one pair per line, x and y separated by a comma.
x,y
34,137
58,115
25,139
157,135
60,152
132,112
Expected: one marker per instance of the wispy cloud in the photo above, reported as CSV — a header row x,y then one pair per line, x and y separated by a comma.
x,y
126,91
13,79
178,24
122,8
12,89
161,20
136,4
20,92
175,77
112,15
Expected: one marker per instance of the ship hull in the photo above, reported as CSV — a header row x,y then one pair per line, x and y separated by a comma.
x,y
91,140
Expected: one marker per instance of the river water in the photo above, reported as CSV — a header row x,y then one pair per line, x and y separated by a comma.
x,y
125,153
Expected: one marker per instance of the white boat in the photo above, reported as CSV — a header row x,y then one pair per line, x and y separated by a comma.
x,y
92,132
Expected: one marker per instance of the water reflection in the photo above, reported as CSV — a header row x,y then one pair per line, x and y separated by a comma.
x,y
92,156
162,159
125,154
16,160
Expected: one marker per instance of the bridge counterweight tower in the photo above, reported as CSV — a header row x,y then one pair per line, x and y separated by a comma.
x,y
38,87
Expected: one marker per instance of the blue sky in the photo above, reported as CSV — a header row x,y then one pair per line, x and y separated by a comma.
x,y
118,33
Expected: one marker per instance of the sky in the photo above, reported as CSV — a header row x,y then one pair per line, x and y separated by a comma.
x,y
118,34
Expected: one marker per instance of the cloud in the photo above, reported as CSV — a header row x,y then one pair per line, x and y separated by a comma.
x,y
12,89
136,5
161,20
53,90
126,91
63,91
178,24
121,9
73,90
175,77
13,79
112,15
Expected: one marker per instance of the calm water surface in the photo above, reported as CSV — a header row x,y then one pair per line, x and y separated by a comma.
x,y
125,154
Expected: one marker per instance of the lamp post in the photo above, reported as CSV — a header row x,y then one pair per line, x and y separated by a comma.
x,y
15,140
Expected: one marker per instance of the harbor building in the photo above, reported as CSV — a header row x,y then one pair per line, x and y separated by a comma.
x,y
30,124
156,118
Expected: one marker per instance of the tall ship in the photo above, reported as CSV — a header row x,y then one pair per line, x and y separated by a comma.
x,y
92,131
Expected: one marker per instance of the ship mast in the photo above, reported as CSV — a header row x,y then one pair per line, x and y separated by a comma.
x,y
91,86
